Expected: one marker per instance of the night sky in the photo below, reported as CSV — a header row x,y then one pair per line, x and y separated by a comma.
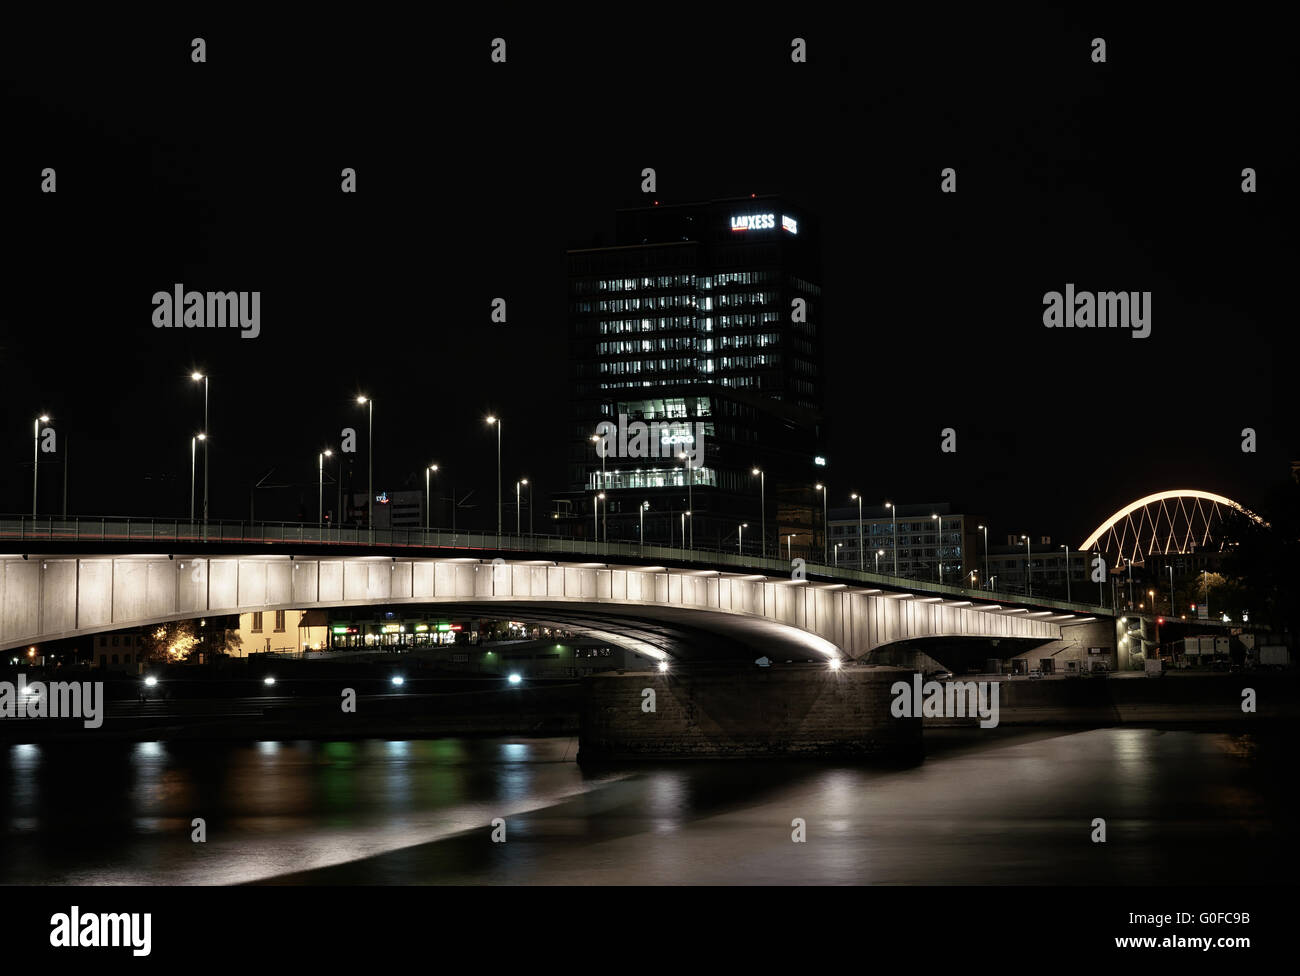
x,y
474,178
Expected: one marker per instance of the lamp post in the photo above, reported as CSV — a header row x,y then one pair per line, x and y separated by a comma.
x,y
641,532
861,548
320,485
596,439
762,506
1172,604
789,547
1029,567
1101,592
740,538
496,421
518,496
194,442
938,543
837,554
1066,547
370,467
826,527
987,578
595,517
36,456
684,517
196,376
690,500
879,553
894,514
428,497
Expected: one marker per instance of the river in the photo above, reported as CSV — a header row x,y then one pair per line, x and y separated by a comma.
x,y
1011,807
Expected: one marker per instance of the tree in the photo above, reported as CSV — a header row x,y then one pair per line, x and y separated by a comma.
x,y
1266,560
170,643
180,640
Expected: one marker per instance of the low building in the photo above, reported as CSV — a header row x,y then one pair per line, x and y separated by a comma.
x,y
393,509
1040,568
282,632
930,542
124,651
396,630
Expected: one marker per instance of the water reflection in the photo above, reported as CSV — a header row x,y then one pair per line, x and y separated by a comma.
x,y
1180,807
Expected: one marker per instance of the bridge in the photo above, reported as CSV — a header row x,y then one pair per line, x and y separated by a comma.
x,y
1180,520
62,578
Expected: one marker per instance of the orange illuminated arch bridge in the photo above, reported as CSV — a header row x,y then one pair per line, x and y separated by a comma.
x,y
1177,521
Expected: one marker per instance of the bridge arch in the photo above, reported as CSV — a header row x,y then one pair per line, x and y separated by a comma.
x,y
60,596
1166,522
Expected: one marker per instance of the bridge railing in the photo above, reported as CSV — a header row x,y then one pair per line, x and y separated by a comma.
x,y
142,531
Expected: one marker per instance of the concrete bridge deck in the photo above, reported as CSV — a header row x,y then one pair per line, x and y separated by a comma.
x,y
68,578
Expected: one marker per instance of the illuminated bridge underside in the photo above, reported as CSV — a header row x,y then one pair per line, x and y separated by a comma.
x,y
1177,521
661,612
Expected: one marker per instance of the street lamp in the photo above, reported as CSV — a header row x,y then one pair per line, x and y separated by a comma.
x,y
595,518
690,500
837,554
641,515
496,421
370,466
1029,567
194,441
789,547
36,456
987,578
879,553
1066,547
1101,593
938,543
826,528
740,538
762,505
196,376
428,497
596,439
685,515
861,549
320,485
518,495
1172,604
894,514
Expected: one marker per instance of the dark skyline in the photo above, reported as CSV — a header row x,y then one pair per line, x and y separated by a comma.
x,y
473,180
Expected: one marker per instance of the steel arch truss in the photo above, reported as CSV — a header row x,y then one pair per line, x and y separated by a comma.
x,y
1169,522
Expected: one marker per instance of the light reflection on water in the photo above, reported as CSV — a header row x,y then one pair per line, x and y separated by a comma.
x,y
1180,807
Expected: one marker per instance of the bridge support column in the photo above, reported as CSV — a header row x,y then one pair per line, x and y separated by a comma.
x,y
745,712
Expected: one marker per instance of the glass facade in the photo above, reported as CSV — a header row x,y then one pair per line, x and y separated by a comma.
x,y
711,319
